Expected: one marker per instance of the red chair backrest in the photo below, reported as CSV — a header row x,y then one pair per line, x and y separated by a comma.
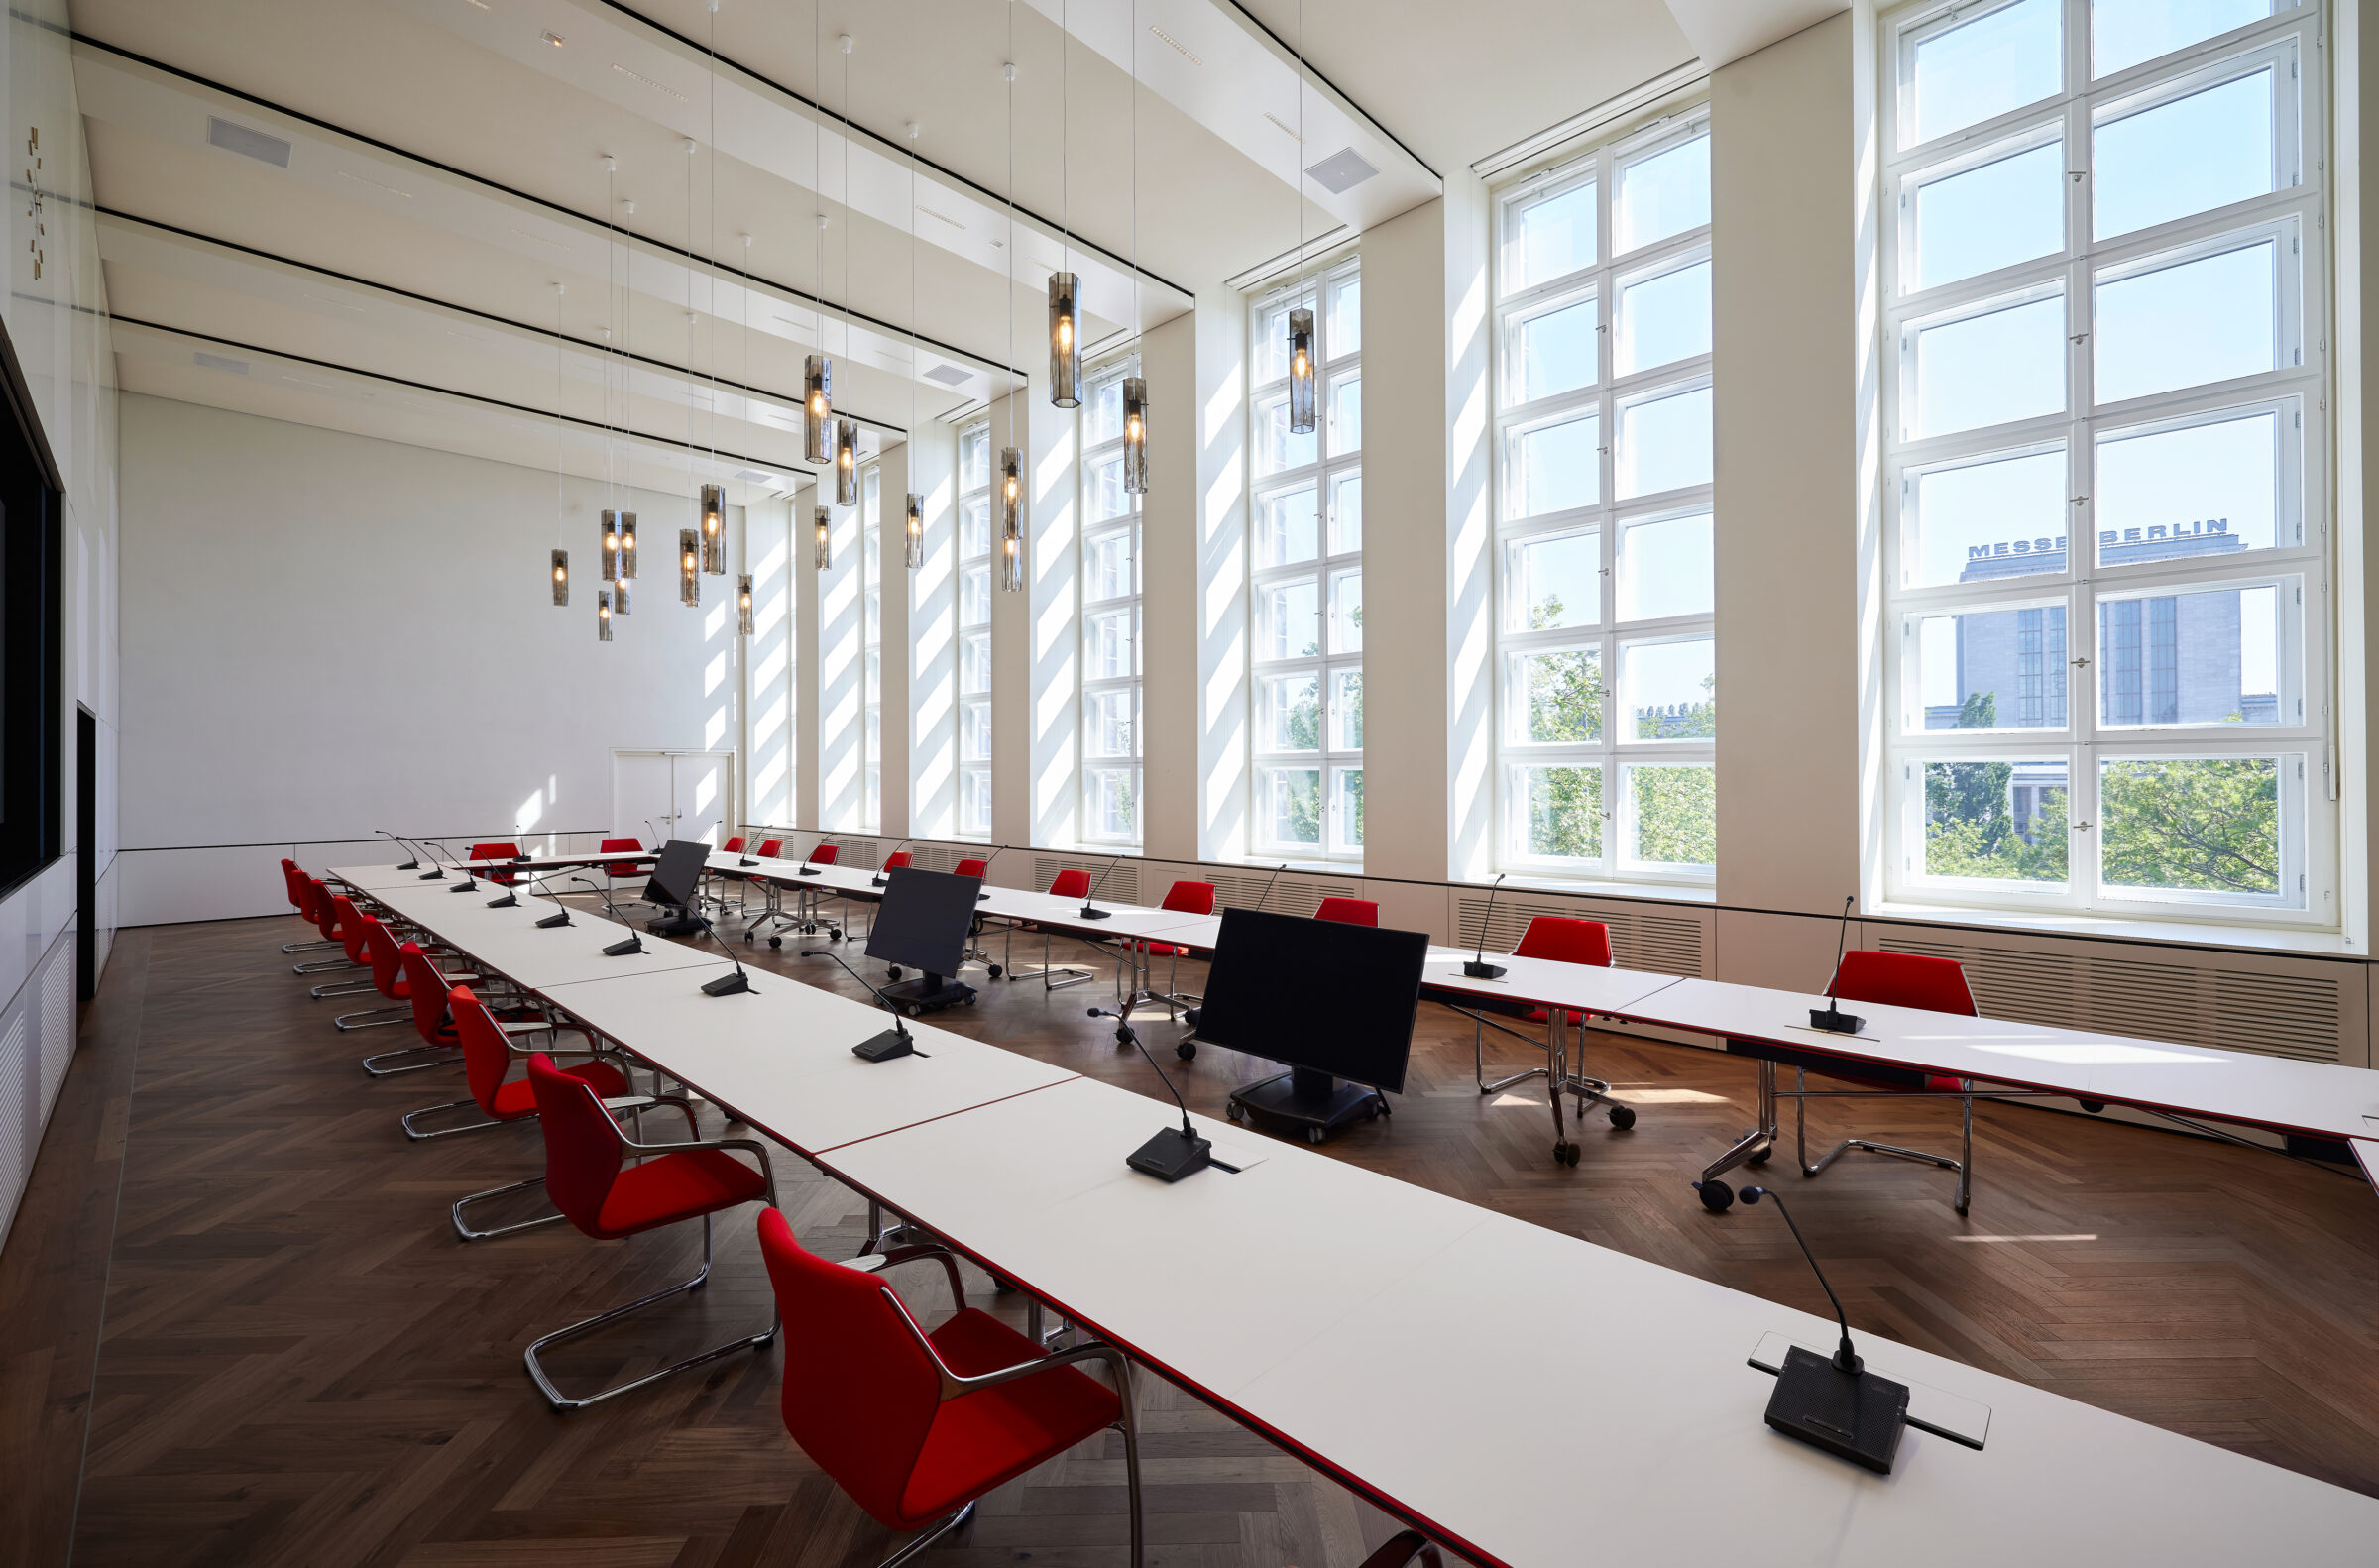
x,y
351,928
769,848
615,847
733,845
974,868
388,964
1565,941
1189,898
425,988
896,860
859,1392
320,911
494,851
1350,911
1070,884
486,1056
1905,980
293,883
825,854
581,1145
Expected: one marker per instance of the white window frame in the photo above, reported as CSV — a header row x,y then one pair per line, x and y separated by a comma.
x,y
871,649
1616,753
1339,660
2294,216
1102,772
973,811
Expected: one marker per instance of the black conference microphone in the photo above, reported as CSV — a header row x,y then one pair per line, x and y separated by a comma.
x,y
986,878
468,884
414,864
882,880
724,984
1831,1017
1089,911
632,942
1267,893
561,911
1176,1152
1479,969
1838,1405
437,870
806,869
893,1042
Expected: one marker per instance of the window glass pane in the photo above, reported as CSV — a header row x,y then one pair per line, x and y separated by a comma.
x,y
1996,821
974,800
1346,809
1996,62
1109,636
1555,697
1554,579
1292,711
1110,565
1557,813
974,594
1287,530
1346,710
1664,195
2203,321
1346,414
2122,32
1110,725
1347,612
975,662
2189,155
974,526
975,460
1346,513
1674,814
1553,467
2000,517
1342,331
874,662
1991,670
2190,824
1551,237
1291,805
2204,489
1664,568
974,731
1665,443
1292,620
2004,364
1276,447
1272,341
1102,419
1671,689
1108,497
2210,657
1112,803
1552,351
1662,318
1991,216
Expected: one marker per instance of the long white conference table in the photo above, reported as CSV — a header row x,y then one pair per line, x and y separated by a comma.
x,y
1523,1397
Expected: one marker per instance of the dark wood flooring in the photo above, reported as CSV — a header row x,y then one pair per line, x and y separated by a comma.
x,y
269,1348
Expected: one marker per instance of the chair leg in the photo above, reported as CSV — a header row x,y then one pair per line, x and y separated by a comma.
x,y
375,1018
440,1057
328,965
563,1404
957,1520
1130,1427
1477,1052
310,947
468,1234
418,1136
323,993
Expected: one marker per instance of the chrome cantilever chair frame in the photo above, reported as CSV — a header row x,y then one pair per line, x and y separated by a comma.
x,y
511,1030
635,1104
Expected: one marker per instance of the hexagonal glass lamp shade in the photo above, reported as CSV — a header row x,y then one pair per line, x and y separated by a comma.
x,y
610,545
1065,340
847,462
1300,372
914,551
1135,435
1011,520
714,529
627,549
743,605
561,576
817,407
620,597
689,567
603,614
821,553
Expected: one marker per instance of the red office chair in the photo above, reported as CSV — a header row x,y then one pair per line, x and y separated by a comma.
x,y
1555,939
590,1181
805,915
498,851
1188,898
621,868
353,936
1892,979
387,978
1071,882
977,869
825,854
1349,911
974,868
319,913
300,888
424,991
770,848
917,1427
896,860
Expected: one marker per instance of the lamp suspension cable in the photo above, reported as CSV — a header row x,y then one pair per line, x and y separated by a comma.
x,y
913,507
1011,498
1300,314
1065,287
561,440
846,430
818,371
1135,388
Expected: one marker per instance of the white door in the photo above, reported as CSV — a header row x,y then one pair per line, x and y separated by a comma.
x,y
657,796
642,784
702,794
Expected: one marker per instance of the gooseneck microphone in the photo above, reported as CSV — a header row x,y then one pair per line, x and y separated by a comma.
x,y
468,884
996,852
1267,893
561,911
893,1042
1831,1017
1176,1152
1479,969
1845,1359
724,984
882,880
414,864
1089,910
632,942
1834,1405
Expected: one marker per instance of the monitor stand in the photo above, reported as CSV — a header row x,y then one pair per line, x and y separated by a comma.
x,y
1301,1102
928,993
677,922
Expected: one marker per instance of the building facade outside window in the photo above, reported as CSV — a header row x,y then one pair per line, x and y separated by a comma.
x,y
1306,509
974,631
1606,690
2108,518
1111,568
871,646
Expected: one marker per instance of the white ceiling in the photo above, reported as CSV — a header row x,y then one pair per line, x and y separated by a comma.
x,y
396,274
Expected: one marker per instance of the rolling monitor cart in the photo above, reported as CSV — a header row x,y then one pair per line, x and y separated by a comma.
x,y
1325,1000
923,925
676,881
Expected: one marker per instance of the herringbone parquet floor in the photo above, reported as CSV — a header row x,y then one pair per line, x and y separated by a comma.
x,y
235,1328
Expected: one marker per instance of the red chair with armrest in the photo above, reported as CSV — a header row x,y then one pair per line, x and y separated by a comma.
x,y
896,860
300,888
1071,882
324,917
1188,898
1554,938
1349,911
353,936
497,851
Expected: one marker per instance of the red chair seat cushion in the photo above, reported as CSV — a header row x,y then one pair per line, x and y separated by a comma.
x,y
677,1187
988,1439
1576,1020
518,1098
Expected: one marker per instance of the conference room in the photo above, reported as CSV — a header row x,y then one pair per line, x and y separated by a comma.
x,y
748,816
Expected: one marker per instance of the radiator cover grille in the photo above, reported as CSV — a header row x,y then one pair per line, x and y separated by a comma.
x,y
1662,944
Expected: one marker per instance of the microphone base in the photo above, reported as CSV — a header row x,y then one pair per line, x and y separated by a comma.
x,y
731,983
1087,913
624,946
464,886
508,901
1853,1415
410,865
1171,1156
747,860
1473,968
811,870
884,1047
562,918
433,876
880,881
1834,1021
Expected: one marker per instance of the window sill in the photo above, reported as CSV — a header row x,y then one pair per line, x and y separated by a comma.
x,y
1660,892
2177,932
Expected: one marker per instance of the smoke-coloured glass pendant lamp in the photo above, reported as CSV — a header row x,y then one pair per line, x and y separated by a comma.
x,y
610,545
847,462
603,614
561,576
1300,372
914,554
714,529
1135,435
1011,520
620,597
817,407
744,604
822,555
689,567
1065,340
628,549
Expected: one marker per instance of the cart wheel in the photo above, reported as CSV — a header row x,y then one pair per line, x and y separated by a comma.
x,y
749,938
835,932
1560,1152
1186,1049
996,971
1123,1035
1622,1117
776,942
1717,1196
1571,1158
1314,1135
896,971
1232,1110
916,1012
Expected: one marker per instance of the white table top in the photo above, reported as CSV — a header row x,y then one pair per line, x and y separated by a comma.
x,y
371,877
1578,987
507,941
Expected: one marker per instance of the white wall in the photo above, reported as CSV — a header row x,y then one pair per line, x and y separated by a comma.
x,y
325,634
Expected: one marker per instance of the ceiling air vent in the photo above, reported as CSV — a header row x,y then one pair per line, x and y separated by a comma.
x,y
947,375
216,362
247,142
1342,172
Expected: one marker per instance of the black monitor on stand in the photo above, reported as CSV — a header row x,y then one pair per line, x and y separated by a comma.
x,y
923,924
676,881
1333,1003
